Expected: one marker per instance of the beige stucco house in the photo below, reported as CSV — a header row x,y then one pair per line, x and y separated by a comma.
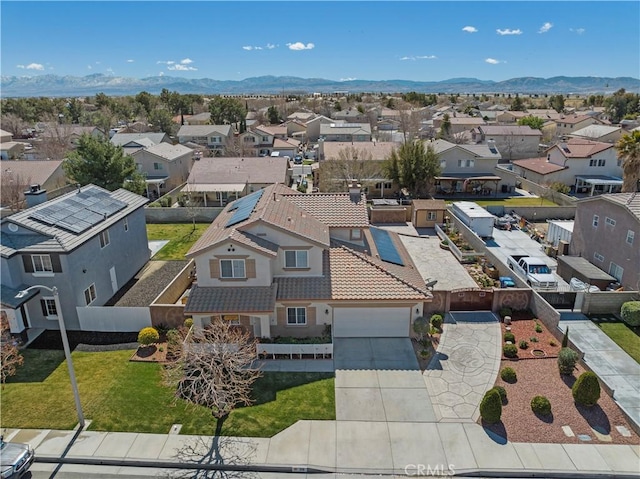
x,y
164,166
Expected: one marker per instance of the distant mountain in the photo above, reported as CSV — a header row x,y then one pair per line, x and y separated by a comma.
x,y
54,85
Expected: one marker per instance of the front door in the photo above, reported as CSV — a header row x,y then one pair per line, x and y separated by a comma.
x,y
114,280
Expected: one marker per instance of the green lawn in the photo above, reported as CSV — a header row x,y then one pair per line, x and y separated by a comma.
x,y
624,336
119,395
181,237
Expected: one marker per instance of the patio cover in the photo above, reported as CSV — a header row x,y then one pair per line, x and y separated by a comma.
x,y
598,180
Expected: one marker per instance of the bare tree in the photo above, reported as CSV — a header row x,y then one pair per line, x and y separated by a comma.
x,y
13,124
10,357
351,164
459,138
12,186
56,141
214,368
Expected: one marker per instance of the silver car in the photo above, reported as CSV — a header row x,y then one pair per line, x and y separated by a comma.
x,y
15,459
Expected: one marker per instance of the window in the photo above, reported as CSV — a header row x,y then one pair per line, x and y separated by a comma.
x,y
296,315
443,164
356,234
616,271
598,257
296,259
610,222
594,162
49,307
596,219
249,139
466,163
104,239
90,294
234,319
232,268
432,215
125,222
216,139
42,263
265,139
157,166
630,235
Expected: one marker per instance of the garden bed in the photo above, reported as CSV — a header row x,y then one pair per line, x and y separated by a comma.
x,y
154,353
525,329
425,349
541,377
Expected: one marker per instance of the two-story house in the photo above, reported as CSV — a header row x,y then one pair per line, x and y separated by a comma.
x,y
165,166
512,141
313,126
345,132
257,141
602,133
566,125
466,169
607,233
87,243
214,137
281,263
585,165
132,142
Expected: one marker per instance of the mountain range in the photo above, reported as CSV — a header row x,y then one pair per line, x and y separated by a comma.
x,y
55,85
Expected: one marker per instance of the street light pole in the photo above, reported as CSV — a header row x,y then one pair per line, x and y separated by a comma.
x,y
65,345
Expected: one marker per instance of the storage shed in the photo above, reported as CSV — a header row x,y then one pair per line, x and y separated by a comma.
x,y
578,267
427,213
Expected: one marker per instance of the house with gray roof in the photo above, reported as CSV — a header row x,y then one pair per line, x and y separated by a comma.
x,y
87,244
165,166
514,142
21,174
281,263
602,133
345,132
132,142
214,137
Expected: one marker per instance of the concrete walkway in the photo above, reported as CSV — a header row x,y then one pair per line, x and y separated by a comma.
x,y
465,366
619,371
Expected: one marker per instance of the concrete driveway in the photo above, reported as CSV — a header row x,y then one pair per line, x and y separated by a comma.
x,y
378,380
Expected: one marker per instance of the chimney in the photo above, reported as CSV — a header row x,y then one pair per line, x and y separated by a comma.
x,y
35,196
355,193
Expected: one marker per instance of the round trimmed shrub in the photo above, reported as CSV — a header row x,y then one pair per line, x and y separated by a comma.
x,y
509,375
505,312
509,336
491,407
523,344
436,321
541,405
148,336
510,351
188,323
586,390
538,328
502,392
567,359
630,312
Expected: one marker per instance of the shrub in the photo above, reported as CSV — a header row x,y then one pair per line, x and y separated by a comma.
x,y
173,336
538,328
509,375
148,336
523,344
436,321
502,392
533,339
509,336
160,349
505,312
541,405
586,390
552,343
565,338
188,323
491,407
567,359
630,313
510,351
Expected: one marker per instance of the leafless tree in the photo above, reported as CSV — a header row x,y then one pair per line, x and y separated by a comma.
x,y
12,187
351,164
214,368
459,138
10,357
13,124
56,141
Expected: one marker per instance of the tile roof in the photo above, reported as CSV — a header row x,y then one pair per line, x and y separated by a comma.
x,y
8,295
335,210
168,151
288,143
483,151
573,119
204,130
248,299
582,148
539,165
124,138
32,171
253,170
338,128
379,150
273,129
522,130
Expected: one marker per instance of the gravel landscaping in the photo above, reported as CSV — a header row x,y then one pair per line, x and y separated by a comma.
x,y
525,329
148,283
541,377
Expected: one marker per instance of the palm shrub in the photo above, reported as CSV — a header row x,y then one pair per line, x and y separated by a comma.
x,y
509,375
509,336
491,407
541,405
586,390
148,336
630,312
436,321
567,359
510,351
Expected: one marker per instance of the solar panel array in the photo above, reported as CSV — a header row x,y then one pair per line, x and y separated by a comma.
x,y
385,246
79,212
243,208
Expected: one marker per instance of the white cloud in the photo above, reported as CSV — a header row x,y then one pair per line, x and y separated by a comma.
x,y
161,74
270,46
300,46
31,66
546,27
470,29
180,67
419,57
493,61
509,31
249,48
89,67
186,61
579,31
347,79
130,61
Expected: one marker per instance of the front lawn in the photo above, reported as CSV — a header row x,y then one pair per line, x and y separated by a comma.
x,y
624,336
181,237
119,395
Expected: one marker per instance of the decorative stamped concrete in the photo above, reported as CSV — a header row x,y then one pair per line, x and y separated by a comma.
x,y
465,365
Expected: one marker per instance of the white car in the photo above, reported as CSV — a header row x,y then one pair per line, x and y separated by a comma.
x,y
15,459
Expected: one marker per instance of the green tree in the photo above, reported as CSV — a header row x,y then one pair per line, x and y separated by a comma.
x,y
517,104
226,110
74,110
98,161
630,313
102,101
556,102
390,103
413,167
445,127
629,152
272,114
533,121
421,326
146,100
161,120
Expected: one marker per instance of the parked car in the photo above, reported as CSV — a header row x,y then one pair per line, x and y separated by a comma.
x,y
297,159
507,282
15,459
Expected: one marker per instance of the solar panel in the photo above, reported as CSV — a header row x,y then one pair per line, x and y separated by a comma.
x,y
243,208
385,246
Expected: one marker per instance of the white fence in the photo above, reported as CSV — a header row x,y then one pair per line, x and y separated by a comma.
x,y
294,351
120,319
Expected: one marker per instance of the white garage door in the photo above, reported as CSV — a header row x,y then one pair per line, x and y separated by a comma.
x,y
371,322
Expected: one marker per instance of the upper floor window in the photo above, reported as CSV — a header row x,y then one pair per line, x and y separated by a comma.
x,y
216,139
157,166
595,162
265,139
104,238
356,234
90,294
42,263
443,164
596,220
296,259
598,257
610,222
466,163
249,139
232,268
296,316
388,185
630,236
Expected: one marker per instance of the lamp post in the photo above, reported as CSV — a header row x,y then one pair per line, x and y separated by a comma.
x,y
65,345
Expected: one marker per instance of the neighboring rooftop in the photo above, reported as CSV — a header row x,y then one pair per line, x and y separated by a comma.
x,y
204,130
539,165
581,148
120,139
253,170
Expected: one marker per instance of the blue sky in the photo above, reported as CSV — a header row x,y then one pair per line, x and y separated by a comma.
x,y
365,40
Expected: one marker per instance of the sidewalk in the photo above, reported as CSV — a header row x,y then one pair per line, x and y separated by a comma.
x,y
340,447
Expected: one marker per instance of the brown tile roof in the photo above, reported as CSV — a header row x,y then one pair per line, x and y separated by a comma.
x,y
539,165
379,150
335,210
270,169
521,130
288,143
582,148
573,119
248,299
429,205
273,129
